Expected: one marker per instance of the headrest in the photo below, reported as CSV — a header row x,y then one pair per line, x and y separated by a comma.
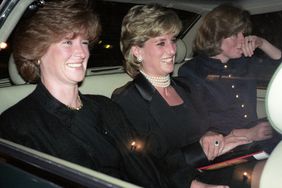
x,y
14,73
273,102
18,80
181,51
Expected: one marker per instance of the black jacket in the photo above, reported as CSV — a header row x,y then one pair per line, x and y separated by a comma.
x,y
97,136
168,139
228,90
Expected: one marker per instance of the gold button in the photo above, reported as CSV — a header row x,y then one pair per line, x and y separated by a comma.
x,y
225,66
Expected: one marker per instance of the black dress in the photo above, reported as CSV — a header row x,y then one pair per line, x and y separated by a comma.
x,y
97,136
171,132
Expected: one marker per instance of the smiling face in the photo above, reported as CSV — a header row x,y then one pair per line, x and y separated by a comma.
x,y
65,61
231,47
158,55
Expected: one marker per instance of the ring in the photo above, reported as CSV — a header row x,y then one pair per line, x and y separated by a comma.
x,y
216,143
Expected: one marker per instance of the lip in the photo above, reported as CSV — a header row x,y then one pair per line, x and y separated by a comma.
x,y
169,60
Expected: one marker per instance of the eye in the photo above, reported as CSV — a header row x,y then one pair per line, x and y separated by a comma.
x,y
67,42
161,43
85,42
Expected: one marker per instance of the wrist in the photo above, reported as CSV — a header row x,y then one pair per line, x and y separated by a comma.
x,y
242,133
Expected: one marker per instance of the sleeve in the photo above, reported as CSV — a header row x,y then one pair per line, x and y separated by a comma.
x,y
194,155
143,166
136,167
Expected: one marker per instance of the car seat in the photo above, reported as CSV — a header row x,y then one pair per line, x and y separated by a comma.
x,y
272,172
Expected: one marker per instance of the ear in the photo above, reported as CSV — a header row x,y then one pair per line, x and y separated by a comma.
x,y
136,51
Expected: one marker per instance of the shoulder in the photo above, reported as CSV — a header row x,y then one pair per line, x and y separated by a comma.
x,y
100,101
25,105
183,83
189,63
189,67
123,91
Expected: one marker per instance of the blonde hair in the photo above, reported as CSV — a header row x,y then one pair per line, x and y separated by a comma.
x,y
141,23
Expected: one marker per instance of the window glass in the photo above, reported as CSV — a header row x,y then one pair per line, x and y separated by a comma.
x,y
107,51
268,26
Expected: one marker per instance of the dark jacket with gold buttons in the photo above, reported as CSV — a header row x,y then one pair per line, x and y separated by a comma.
x,y
228,90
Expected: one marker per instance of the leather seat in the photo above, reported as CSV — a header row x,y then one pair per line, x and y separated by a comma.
x,y
272,172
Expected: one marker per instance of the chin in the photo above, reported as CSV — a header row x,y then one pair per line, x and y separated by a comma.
x,y
237,56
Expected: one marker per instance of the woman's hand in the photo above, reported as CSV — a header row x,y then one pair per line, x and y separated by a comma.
x,y
198,184
261,131
212,144
231,142
250,43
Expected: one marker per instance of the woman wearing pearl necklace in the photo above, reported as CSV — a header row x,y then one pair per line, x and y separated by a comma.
x,y
164,110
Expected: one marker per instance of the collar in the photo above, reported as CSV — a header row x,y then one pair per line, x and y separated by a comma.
x,y
205,65
50,103
147,90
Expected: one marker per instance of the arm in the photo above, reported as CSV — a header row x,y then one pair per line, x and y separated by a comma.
x,y
260,131
215,144
252,42
198,184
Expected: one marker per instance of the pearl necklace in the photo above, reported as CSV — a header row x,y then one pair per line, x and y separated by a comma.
x,y
158,81
76,108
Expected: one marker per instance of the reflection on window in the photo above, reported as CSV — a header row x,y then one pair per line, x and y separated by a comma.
x,y
268,26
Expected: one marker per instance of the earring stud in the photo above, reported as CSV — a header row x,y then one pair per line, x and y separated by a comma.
x,y
139,59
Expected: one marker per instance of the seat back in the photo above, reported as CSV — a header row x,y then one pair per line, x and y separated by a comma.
x,y
97,84
271,175
102,84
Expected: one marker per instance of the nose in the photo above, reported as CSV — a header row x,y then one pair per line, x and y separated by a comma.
x,y
240,36
171,48
81,51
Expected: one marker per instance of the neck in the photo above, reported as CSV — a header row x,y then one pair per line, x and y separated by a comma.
x,y
66,94
77,106
157,81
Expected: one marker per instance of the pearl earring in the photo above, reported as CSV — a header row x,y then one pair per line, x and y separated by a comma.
x,y
139,59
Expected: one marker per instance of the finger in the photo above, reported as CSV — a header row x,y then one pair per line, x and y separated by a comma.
x,y
207,149
221,144
216,149
248,46
268,134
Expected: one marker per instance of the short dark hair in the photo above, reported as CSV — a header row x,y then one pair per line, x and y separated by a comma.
x,y
49,24
222,22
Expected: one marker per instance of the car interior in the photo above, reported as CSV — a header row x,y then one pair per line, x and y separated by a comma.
x,y
269,103
271,176
36,169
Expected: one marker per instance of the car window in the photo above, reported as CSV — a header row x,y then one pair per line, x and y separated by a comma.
x,y
31,168
268,26
107,50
